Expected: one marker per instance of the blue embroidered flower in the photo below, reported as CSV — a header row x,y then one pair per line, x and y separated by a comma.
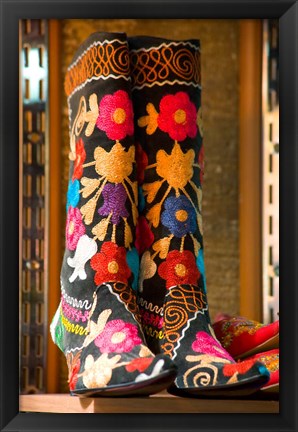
x,y
179,216
73,193
133,261
141,200
201,266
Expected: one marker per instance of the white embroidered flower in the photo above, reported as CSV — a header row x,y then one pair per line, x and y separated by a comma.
x,y
98,372
156,371
85,250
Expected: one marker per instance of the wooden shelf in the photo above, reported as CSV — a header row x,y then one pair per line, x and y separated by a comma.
x,y
162,403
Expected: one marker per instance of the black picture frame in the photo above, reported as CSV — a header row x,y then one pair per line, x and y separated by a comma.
x,y
11,11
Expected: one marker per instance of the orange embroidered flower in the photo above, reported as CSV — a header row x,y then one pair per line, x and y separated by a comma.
x,y
177,167
179,268
139,364
79,160
144,235
178,116
116,115
110,264
115,165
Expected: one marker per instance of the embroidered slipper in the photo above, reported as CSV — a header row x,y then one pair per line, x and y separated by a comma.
x,y
243,337
172,285
271,360
97,324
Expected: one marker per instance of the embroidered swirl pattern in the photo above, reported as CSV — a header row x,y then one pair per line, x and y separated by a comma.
x,y
127,295
182,301
98,61
159,65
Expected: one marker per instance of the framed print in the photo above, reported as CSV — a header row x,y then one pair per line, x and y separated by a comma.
x,y
35,381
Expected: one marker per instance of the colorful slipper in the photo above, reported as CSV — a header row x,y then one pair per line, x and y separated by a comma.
x,y
243,337
271,360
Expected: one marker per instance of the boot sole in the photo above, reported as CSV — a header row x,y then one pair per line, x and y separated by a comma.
x,y
142,388
245,388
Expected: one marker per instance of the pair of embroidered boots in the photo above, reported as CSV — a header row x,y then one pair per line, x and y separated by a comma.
x,y
133,317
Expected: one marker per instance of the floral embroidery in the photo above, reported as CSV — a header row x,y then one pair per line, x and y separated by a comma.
x,y
242,367
118,336
74,227
142,162
179,216
206,344
110,264
86,248
147,269
114,167
139,364
73,193
144,235
79,160
179,268
200,122
114,202
178,116
98,373
150,120
74,364
116,115
133,261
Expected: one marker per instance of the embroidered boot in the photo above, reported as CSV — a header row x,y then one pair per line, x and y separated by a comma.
x,y
97,324
172,289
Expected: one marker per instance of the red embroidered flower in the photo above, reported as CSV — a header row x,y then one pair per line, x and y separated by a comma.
x,y
110,264
179,268
139,364
178,116
241,367
144,235
73,375
201,163
79,160
116,115
118,336
74,227
142,162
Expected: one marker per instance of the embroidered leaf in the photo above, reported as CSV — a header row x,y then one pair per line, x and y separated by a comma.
x,y
162,247
100,230
89,186
196,245
200,223
135,213
150,190
153,215
88,210
150,120
91,116
128,238
147,269
96,328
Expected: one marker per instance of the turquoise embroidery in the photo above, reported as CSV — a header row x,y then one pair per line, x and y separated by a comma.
x,y
133,261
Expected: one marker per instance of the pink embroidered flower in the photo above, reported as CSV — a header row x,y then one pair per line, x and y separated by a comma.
x,y
178,116
80,159
118,336
116,115
206,344
144,235
74,227
142,162
110,264
139,364
179,268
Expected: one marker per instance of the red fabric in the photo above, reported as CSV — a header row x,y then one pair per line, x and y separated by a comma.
x,y
142,162
144,235
139,364
239,335
271,360
80,159
241,367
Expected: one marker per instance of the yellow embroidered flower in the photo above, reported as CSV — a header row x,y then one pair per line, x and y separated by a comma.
x,y
177,167
115,165
150,120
